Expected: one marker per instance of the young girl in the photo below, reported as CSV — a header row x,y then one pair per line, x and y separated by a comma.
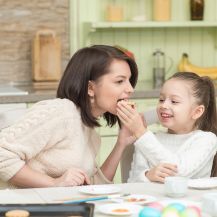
x,y
187,107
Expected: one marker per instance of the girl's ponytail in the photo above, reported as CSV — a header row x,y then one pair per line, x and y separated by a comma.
x,y
209,119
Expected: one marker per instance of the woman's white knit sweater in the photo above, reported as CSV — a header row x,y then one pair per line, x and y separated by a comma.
x,y
193,153
50,138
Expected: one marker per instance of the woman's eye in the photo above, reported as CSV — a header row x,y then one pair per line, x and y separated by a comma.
x,y
120,81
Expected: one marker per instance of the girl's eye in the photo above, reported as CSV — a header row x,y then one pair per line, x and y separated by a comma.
x,y
161,100
174,102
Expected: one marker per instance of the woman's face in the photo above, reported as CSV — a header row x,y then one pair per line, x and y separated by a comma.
x,y
110,88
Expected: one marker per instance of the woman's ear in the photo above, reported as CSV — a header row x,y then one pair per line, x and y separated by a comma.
x,y
90,88
198,112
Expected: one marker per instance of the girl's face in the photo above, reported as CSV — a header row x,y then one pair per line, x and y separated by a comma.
x,y
110,88
177,108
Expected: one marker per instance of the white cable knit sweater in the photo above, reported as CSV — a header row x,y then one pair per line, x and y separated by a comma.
x,y
193,153
50,138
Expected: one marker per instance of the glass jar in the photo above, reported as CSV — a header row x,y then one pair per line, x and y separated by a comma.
x,y
161,10
197,9
114,12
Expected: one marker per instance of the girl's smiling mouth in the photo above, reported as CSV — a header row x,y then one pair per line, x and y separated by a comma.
x,y
165,115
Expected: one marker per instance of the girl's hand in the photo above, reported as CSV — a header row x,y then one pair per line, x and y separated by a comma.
x,y
131,119
72,177
125,137
158,173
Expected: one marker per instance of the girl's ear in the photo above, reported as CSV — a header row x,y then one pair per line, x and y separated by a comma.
x,y
90,89
198,112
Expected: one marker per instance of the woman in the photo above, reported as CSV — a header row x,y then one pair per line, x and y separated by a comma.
x,y
55,143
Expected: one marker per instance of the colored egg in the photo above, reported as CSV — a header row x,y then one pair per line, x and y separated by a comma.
x,y
196,208
149,212
178,206
156,205
189,212
170,212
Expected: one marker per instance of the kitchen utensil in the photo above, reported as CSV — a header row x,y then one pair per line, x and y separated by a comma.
x,y
176,186
158,68
99,189
95,198
46,56
139,199
209,203
120,209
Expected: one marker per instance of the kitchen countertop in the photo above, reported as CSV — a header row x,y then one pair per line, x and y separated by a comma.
x,y
36,94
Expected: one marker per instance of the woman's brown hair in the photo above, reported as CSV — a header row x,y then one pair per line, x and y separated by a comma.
x,y
89,64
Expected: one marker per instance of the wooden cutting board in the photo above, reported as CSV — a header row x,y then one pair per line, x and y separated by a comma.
x,y
46,56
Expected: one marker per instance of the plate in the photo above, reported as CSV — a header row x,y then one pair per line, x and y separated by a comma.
x,y
204,183
99,189
119,209
136,199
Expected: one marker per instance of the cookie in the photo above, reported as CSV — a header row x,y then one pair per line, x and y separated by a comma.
x,y
132,104
17,213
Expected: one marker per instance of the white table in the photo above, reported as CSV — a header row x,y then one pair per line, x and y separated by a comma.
x,y
55,195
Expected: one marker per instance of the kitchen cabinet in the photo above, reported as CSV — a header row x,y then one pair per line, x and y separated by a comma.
x,y
11,112
88,25
174,37
10,106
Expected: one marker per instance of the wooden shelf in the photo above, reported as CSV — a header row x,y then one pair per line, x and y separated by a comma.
x,y
150,24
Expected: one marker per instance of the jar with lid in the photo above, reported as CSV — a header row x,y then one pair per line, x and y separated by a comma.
x,y
138,11
114,12
158,69
197,9
161,10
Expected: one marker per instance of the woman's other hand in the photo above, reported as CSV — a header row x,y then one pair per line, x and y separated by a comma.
x,y
161,171
131,118
72,177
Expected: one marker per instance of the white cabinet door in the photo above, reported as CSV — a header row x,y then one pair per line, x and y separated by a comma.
x,y
9,113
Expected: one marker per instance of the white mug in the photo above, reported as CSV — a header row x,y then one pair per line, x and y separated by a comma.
x,y
209,204
176,186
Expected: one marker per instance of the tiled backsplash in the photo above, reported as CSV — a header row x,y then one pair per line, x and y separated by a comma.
x,y
19,20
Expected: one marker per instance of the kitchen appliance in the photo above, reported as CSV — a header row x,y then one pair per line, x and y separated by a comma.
x,y
158,68
46,56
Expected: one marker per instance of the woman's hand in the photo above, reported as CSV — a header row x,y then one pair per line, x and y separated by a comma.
x,y
158,173
131,119
72,177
